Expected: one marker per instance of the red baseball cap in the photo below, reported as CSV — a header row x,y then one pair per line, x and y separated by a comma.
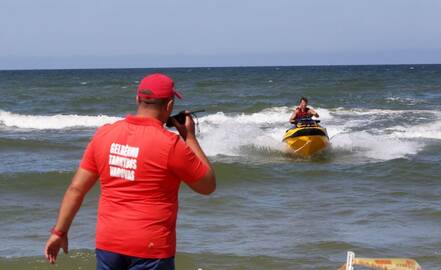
x,y
157,86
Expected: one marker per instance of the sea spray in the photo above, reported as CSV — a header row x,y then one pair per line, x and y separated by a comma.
x,y
352,130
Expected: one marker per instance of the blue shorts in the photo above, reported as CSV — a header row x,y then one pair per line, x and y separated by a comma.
x,y
106,260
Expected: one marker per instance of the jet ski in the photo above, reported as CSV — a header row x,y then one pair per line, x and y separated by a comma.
x,y
306,137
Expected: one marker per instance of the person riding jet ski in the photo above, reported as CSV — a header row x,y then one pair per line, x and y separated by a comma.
x,y
306,137
302,111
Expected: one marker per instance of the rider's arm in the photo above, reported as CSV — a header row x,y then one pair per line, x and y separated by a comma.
x,y
293,116
313,113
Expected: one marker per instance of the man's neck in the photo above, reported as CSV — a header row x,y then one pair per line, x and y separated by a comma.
x,y
149,114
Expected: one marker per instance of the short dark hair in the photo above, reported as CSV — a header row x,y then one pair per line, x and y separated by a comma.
x,y
303,99
159,101
153,102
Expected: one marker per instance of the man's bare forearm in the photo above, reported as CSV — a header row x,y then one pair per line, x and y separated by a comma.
x,y
82,182
208,183
193,143
72,201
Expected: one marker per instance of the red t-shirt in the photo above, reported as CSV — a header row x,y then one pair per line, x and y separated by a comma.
x,y
140,165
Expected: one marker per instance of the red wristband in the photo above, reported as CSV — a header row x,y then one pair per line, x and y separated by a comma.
x,y
57,233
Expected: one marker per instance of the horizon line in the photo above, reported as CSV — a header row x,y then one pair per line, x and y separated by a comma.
x,y
214,67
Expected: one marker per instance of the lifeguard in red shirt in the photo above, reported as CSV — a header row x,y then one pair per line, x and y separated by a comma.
x,y
140,165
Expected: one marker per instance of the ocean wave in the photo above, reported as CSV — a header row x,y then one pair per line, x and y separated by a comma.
x,y
373,146
230,134
58,121
362,111
427,131
404,100
233,134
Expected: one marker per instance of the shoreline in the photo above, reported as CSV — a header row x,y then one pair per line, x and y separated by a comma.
x,y
85,259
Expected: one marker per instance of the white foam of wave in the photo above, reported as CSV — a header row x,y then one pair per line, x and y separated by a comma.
x,y
363,112
223,134
58,121
373,146
426,131
404,100
387,143
430,130
229,134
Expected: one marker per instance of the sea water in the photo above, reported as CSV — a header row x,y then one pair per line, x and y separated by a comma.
x,y
375,191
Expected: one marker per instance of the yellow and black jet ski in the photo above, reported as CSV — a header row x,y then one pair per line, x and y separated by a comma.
x,y
306,137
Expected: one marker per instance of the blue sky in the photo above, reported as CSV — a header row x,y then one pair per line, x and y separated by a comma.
x,y
143,33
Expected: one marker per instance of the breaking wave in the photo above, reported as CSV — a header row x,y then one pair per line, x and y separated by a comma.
x,y
361,132
58,121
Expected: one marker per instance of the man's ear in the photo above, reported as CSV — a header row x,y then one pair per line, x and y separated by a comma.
x,y
170,105
137,100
